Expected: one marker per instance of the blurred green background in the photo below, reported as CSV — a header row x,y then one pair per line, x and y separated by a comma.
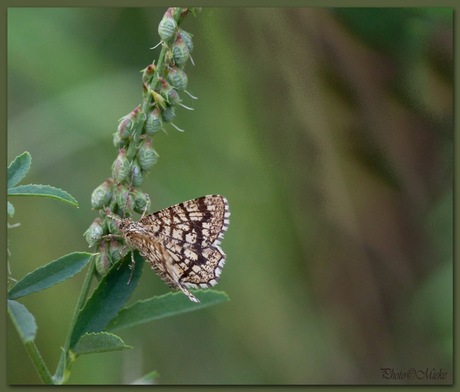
x,y
330,131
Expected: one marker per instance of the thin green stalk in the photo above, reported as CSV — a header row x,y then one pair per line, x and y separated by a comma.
x,y
160,67
38,362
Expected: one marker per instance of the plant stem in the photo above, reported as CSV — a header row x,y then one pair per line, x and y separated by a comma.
x,y
38,362
147,97
160,66
81,301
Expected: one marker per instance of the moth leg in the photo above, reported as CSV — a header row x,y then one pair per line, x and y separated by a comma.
x,y
111,236
190,296
132,265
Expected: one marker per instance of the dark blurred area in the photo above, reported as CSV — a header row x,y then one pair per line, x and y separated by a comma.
x,y
330,131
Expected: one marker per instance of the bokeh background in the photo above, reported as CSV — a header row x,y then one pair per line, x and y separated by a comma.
x,y
330,131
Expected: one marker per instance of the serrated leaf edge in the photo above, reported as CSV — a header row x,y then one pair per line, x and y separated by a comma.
x,y
89,255
70,200
29,164
123,346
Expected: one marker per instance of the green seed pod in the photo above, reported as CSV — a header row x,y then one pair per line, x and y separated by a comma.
x,y
153,123
111,226
121,167
141,201
187,38
168,114
173,97
169,93
146,155
136,174
115,251
95,232
124,127
117,141
102,195
103,261
178,78
167,27
180,52
126,123
125,201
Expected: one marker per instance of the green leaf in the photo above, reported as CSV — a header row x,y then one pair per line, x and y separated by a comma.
x,y
43,191
23,320
10,210
108,298
50,274
18,169
166,305
99,342
148,379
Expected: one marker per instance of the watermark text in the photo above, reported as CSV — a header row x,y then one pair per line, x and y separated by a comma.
x,y
413,374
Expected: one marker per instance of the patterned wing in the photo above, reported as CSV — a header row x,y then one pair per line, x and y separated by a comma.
x,y
199,222
165,267
196,267
187,238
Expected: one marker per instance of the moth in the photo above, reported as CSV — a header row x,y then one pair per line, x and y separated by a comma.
x,y
182,242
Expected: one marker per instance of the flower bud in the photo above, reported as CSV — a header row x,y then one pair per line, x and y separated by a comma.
x,y
153,123
136,174
121,167
187,38
124,127
178,78
168,114
103,261
180,52
102,195
146,155
124,200
141,201
126,123
115,251
169,93
95,232
173,97
148,72
167,27
117,141
112,226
